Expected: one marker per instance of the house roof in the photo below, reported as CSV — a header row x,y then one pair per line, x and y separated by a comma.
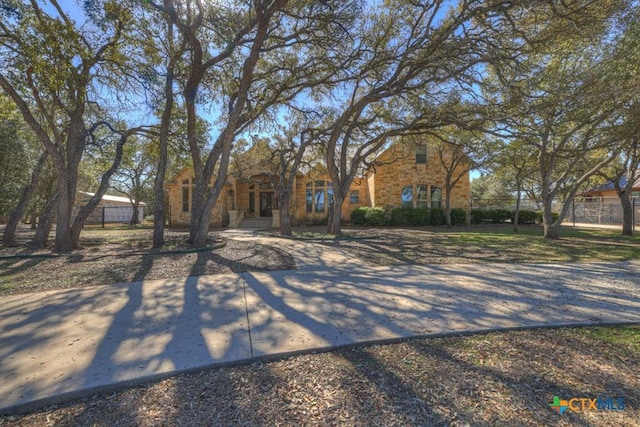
x,y
108,198
609,186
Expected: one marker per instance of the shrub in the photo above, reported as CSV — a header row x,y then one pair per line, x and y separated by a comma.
x,y
419,217
525,217
478,216
375,217
358,216
554,216
399,217
458,216
498,216
438,217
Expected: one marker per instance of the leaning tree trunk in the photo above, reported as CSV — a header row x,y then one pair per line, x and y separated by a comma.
x,y
9,236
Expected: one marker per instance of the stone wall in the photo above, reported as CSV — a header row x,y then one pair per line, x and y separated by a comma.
x,y
398,169
181,218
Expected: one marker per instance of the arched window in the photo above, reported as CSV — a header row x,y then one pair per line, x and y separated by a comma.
x,y
407,196
421,196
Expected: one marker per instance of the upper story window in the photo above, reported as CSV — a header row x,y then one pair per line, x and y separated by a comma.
x,y
421,154
354,196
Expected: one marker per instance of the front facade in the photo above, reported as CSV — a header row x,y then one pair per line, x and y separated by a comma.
x,y
402,177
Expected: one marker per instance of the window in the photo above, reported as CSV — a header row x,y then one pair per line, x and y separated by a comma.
x,y
309,197
421,196
319,200
252,202
407,196
354,196
421,154
436,197
185,195
318,196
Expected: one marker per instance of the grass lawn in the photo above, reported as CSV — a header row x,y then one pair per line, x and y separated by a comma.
x,y
501,378
474,244
122,254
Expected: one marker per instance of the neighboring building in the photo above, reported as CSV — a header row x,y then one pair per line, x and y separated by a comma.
x,y
402,176
114,208
606,193
601,204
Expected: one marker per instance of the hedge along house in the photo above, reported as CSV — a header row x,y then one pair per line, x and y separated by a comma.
x,y
401,176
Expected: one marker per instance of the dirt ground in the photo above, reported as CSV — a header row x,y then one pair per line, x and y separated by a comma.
x,y
122,255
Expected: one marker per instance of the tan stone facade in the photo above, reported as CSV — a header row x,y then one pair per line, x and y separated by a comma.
x,y
402,177
180,194
408,178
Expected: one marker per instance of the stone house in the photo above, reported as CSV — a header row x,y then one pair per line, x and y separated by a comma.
x,y
401,176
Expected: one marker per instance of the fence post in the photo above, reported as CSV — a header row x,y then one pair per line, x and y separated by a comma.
x,y
103,216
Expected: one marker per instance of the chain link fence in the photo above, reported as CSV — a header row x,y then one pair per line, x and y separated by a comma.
x,y
607,212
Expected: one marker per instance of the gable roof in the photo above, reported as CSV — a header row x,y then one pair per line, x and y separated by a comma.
x,y
108,198
609,186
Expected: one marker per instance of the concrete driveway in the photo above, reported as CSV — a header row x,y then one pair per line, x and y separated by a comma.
x,y
58,345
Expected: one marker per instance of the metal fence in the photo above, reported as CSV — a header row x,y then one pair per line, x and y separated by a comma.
x,y
582,211
595,212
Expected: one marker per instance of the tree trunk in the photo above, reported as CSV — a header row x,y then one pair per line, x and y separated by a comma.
x,y
285,217
63,243
627,215
447,208
135,217
516,214
163,143
202,230
9,236
41,238
551,229
335,219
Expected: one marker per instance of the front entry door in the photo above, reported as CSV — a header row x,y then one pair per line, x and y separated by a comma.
x,y
266,204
